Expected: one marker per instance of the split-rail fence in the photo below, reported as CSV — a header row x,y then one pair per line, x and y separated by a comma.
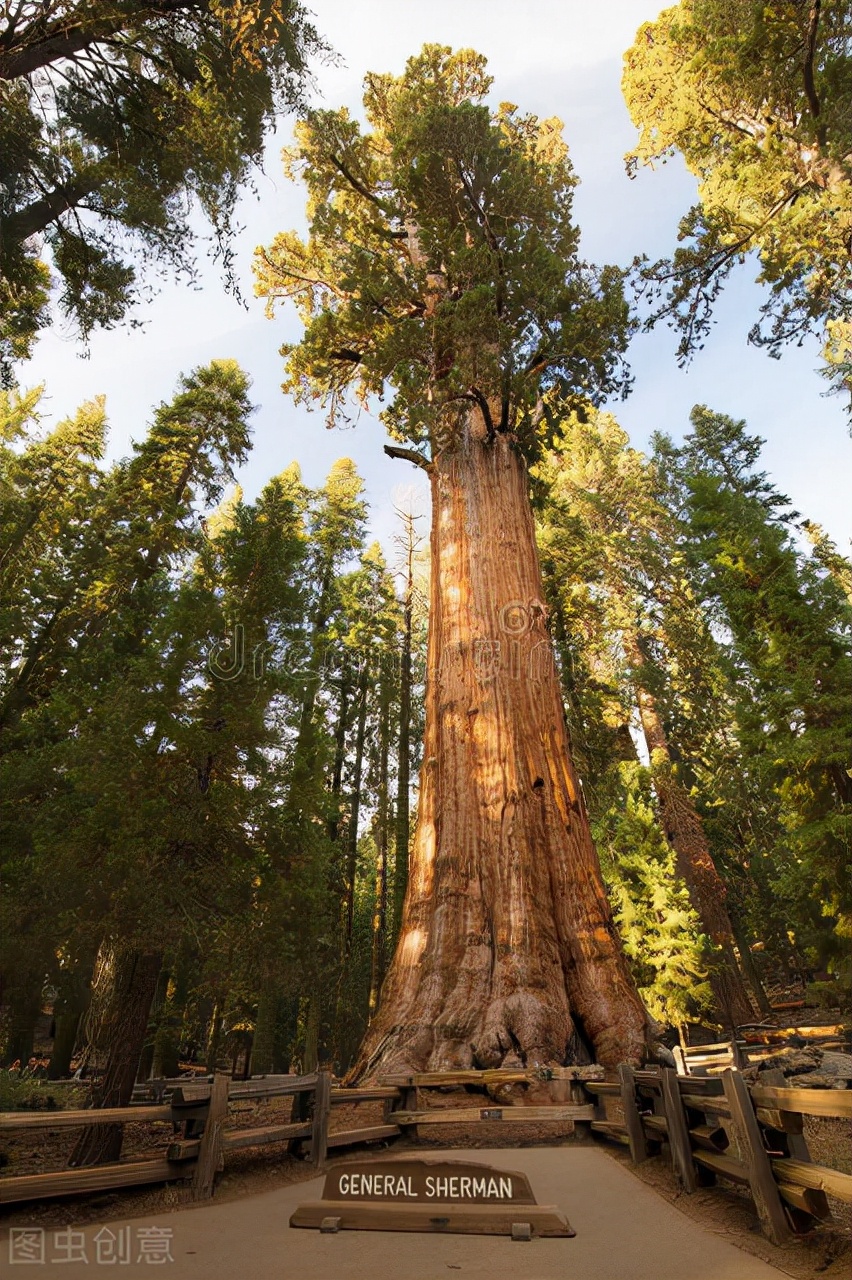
x,y
715,1127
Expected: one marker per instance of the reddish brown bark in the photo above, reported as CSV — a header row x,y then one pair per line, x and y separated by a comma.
x,y
685,833
507,949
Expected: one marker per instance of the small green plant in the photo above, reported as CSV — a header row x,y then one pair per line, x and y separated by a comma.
x,y
834,994
20,1092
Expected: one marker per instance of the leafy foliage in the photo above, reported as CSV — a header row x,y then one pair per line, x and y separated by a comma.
x,y
756,98
118,119
441,259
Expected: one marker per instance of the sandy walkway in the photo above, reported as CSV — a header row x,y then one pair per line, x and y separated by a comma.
x,y
624,1232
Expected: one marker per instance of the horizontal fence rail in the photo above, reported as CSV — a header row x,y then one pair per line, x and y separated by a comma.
x,y
718,1127
200,1109
713,1125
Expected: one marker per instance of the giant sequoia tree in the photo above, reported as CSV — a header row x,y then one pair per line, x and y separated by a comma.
x,y
441,273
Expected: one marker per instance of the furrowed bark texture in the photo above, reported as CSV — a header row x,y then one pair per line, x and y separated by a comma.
x,y
508,949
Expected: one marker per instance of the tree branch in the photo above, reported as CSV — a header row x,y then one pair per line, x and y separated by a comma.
x,y
64,39
357,185
32,219
479,399
408,455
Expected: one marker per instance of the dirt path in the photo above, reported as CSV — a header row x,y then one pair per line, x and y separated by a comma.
x,y
625,1231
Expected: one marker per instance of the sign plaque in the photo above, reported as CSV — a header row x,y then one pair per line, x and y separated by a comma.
x,y
430,1195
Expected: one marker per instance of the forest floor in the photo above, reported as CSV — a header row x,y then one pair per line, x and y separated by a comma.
x,y
727,1212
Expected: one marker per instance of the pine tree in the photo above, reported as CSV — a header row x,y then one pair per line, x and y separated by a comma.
x,y
789,655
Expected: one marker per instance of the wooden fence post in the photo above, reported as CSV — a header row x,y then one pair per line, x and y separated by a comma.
x,y
805,1199
322,1111
678,1131
632,1119
764,1188
210,1151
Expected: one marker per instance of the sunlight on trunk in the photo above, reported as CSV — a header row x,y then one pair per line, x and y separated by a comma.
x,y
508,950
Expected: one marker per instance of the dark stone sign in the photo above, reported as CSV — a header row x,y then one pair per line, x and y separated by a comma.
x,y
442,1181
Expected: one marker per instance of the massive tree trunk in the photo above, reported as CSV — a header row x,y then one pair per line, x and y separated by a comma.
x,y
685,833
508,949
122,993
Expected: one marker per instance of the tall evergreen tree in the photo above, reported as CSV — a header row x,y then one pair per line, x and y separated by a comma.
x,y
755,97
441,269
791,629
604,495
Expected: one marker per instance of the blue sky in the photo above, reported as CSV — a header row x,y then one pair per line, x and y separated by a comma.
x,y
553,58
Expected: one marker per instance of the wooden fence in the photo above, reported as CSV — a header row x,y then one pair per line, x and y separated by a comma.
x,y
719,1127
714,1127
754,1045
199,1141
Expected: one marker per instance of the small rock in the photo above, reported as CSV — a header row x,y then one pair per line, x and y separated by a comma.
x,y
818,1080
663,1054
793,1062
836,1064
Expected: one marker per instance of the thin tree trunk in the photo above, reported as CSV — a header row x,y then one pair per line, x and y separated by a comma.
x,y
355,812
381,826
75,994
312,1021
214,1037
146,1070
167,1037
749,968
402,833
339,754
24,1009
286,1025
122,994
263,1045
508,950
684,831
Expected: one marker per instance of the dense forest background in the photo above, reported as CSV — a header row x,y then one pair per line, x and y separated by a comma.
x,y
211,708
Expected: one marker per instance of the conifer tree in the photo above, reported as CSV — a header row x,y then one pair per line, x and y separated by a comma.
x,y
605,494
441,270
789,656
